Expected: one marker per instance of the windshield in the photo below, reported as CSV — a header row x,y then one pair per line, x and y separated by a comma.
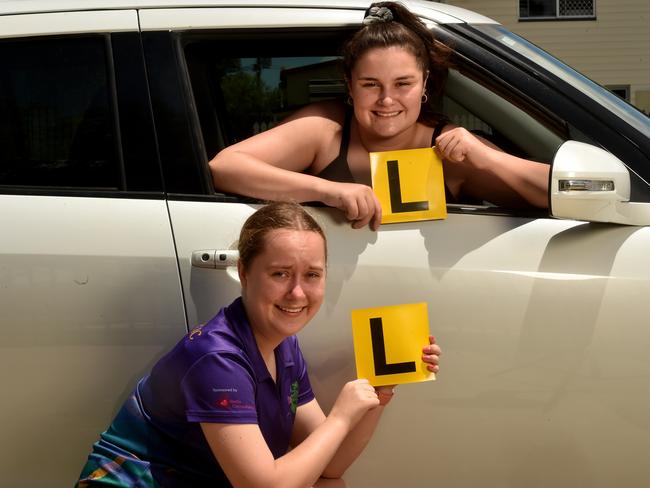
x,y
593,90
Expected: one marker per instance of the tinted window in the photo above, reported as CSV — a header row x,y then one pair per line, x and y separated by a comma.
x,y
56,120
259,92
249,89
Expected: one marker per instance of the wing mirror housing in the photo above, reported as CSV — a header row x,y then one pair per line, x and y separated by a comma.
x,y
588,183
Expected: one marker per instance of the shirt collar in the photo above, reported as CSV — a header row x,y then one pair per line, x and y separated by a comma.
x,y
236,315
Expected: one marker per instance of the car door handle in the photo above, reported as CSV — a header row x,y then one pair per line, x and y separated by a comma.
x,y
215,258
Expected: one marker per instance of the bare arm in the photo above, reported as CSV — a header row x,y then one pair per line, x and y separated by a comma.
x,y
355,442
490,174
247,461
271,166
310,416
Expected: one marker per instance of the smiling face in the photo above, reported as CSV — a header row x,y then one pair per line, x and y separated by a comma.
x,y
387,85
283,286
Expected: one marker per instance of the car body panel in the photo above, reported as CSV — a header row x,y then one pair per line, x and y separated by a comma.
x,y
528,312
89,294
229,18
54,23
434,11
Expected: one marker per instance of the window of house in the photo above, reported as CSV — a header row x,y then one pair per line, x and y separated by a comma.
x,y
57,125
557,9
622,91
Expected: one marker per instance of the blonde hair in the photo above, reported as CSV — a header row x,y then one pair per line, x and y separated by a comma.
x,y
273,216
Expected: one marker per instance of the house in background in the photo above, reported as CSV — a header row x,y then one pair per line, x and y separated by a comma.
x,y
606,40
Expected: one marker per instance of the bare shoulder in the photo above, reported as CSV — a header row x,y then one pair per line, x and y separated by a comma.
x,y
326,113
320,126
449,126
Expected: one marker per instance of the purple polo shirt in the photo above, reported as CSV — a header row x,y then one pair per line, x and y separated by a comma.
x,y
216,374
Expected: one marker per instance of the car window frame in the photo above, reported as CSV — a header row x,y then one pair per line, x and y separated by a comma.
x,y
181,40
506,78
541,88
134,143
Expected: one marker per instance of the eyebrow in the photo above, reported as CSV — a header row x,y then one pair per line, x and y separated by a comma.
x,y
372,78
285,266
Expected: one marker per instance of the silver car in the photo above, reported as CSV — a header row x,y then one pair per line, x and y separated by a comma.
x,y
113,241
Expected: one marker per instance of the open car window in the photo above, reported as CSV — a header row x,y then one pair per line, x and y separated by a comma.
x,y
473,106
247,84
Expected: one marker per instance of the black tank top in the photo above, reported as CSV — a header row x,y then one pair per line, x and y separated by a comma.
x,y
339,169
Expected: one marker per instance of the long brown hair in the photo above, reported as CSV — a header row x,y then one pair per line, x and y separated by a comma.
x,y
395,25
273,216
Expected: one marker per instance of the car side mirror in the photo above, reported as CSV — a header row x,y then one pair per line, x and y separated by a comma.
x,y
588,183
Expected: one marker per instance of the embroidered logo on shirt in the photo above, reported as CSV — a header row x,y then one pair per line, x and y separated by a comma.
x,y
293,397
196,331
227,403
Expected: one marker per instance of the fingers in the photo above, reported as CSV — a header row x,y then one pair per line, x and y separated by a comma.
x,y
431,355
360,205
375,222
432,348
452,149
364,213
432,361
455,144
356,206
355,399
385,389
363,386
372,217
365,392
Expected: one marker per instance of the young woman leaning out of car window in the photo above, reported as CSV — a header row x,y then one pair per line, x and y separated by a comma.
x,y
395,71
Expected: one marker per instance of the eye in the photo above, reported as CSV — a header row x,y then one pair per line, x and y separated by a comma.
x,y
369,84
280,274
313,275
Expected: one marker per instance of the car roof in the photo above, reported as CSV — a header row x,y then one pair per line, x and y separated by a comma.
x,y
436,12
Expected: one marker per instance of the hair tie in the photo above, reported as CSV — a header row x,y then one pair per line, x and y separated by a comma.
x,y
377,14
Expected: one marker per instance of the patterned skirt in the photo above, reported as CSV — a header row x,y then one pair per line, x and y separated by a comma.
x,y
132,453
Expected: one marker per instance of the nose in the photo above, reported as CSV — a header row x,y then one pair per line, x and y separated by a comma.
x,y
385,97
296,289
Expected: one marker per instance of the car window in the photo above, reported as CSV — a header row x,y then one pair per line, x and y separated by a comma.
x,y
603,96
254,84
57,125
247,89
499,119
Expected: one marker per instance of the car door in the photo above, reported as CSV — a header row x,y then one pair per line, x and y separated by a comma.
x,y
89,286
541,320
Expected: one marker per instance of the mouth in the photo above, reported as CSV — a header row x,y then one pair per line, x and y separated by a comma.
x,y
291,310
387,114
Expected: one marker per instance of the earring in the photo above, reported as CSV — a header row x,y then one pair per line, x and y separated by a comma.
x,y
350,101
425,98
